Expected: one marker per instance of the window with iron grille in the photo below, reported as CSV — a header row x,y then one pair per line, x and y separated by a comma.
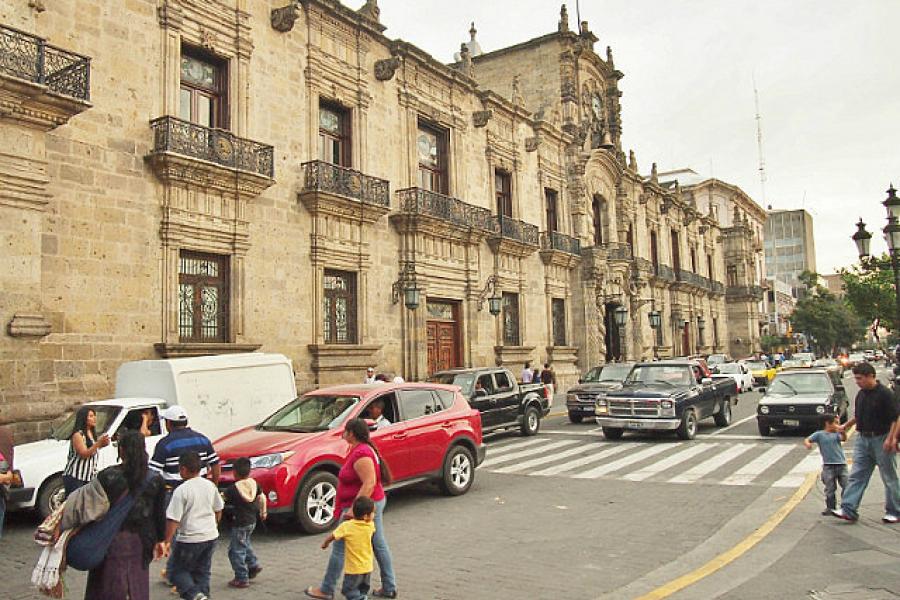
x,y
551,198
659,335
203,297
431,148
654,251
334,134
503,190
715,324
510,319
597,217
731,275
339,309
710,272
676,252
558,308
202,94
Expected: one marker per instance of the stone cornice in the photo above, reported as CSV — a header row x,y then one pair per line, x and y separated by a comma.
x,y
179,350
34,105
325,203
186,171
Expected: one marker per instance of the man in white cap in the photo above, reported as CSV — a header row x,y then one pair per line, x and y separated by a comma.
x,y
370,375
181,439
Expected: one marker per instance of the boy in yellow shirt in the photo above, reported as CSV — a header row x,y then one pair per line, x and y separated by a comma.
x,y
358,556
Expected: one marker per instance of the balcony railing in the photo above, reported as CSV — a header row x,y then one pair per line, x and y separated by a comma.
x,y
453,211
717,287
643,264
739,291
689,278
29,57
620,252
319,176
218,146
664,272
519,231
554,240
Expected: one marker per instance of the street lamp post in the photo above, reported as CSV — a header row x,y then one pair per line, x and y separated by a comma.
x,y
655,324
621,316
863,240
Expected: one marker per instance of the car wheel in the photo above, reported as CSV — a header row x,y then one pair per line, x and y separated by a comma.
x,y
764,430
314,508
458,472
723,417
52,494
531,421
613,433
687,430
575,417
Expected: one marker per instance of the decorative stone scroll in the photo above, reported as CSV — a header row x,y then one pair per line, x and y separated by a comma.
x,y
386,68
283,18
480,118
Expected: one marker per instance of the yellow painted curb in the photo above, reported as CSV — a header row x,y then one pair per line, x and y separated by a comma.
x,y
737,550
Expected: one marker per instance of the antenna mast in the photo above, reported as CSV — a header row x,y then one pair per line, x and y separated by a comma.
x,y
759,145
578,15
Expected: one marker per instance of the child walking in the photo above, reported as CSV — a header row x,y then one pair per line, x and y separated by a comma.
x,y
358,557
247,500
834,464
194,512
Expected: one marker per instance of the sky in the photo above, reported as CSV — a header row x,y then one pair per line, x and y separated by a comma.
x,y
826,72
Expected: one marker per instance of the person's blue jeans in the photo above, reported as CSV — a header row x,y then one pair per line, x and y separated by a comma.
x,y
240,552
868,452
379,547
356,587
191,565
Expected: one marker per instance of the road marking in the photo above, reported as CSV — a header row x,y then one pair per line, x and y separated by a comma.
x,y
669,462
708,466
545,459
594,433
624,462
746,474
797,475
584,460
516,445
733,425
737,550
754,438
528,452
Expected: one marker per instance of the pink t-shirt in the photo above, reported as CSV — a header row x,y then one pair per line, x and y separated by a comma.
x,y
349,482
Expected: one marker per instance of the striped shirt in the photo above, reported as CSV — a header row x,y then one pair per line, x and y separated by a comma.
x,y
78,467
178,442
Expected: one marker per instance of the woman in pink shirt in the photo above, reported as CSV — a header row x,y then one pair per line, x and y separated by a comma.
x,y
362,475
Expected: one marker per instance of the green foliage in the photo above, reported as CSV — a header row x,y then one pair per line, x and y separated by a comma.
x,y
871,293
830,320
774,343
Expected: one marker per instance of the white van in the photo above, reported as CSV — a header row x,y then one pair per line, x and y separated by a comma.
x,y
220,394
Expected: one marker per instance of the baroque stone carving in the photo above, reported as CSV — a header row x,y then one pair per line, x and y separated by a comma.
x,y
370,11
386,68
563,19
480,118
517,98
532,143
283,18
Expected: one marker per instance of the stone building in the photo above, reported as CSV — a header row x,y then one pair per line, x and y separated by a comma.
x,y
192,177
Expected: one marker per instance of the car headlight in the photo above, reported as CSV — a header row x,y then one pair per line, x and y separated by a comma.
x,y
764,409
571,398
666,404
267,461
820,409
601,408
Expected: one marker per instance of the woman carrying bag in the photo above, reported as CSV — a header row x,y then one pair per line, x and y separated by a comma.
x,y
81,465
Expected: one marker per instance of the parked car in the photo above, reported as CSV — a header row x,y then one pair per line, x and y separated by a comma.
x,y
738,372
793,363
581,400
714,360
762,372
219,393
296,453
800,399
666,396
855,358
502,402
807,358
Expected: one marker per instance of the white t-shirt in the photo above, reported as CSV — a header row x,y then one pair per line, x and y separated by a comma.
x,y
194,504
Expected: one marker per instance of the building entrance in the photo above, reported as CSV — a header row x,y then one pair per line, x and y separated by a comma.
x,y
444,349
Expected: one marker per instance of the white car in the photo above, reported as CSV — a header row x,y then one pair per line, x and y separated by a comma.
x,y
739,372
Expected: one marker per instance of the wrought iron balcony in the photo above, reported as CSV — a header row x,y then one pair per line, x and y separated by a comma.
x,y
31,58
664,272
717,287
455,212
620,252
689,278
643,264
520,231
218,146
320,176
751,292
554,240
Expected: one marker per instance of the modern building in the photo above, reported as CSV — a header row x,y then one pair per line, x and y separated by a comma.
x,y
834,283
789,246
183,178
778,306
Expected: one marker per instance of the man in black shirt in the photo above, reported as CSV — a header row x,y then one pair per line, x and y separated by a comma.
x,y
876,418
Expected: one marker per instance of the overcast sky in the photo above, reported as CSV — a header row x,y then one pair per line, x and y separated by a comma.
x,y
826,70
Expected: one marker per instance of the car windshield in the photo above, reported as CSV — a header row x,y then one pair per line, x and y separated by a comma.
x,y
311,413
715,359
757,365
615,373
804,356
465,381
801,383
674,375
730,368
105,416
792,363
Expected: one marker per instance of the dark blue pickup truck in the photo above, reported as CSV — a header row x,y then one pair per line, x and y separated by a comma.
x,y
666,396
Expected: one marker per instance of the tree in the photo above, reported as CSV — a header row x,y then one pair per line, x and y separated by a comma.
x,y
871,293
830,320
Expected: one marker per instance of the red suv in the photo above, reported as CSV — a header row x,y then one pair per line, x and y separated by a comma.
x,y
296,453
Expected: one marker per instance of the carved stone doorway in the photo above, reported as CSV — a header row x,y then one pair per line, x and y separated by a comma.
x,y
442,325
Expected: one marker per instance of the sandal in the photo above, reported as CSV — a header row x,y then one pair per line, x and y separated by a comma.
x,y
309,592
380,593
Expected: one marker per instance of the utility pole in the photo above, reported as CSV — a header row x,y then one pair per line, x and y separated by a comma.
x,y
762,187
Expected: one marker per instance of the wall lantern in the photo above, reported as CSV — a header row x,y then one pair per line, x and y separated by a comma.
x,y
655,319
621,316
491,294
406,286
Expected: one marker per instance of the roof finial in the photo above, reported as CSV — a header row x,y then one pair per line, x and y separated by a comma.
x,y
473,31
370,10
517,98
609,57
654,174
563,19
632,161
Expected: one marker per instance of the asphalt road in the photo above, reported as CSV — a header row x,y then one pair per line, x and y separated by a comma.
x,y
565,514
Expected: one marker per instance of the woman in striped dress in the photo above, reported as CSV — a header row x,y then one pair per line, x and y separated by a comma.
x,y
83,447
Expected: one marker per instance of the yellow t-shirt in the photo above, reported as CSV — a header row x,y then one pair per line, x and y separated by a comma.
x,y
357,536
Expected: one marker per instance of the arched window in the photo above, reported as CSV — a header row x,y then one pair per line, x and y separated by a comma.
x,y
597,212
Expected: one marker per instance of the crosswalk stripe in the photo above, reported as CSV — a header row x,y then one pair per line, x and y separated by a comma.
x,y
495,450
710,465
624,462
514,455
796,475
668,462
746,474
584,460
547,459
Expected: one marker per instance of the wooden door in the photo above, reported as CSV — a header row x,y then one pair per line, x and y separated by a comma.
x,y
686,340
443,336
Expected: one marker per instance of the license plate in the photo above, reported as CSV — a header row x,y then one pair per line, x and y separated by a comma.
x,y
637,424
791,422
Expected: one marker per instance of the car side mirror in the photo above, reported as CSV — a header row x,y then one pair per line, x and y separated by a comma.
x,y
480,393
371,424
706,380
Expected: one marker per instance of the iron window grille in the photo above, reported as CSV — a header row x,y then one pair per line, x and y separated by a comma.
x,y
511,319
203,289
339,307
558,310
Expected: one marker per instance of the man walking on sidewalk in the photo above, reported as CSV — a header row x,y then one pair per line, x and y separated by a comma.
x,y
876,418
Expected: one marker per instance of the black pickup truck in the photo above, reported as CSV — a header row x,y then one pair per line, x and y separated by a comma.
x,y
666,396
502,402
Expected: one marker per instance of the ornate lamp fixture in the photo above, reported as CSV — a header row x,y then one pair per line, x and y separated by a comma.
x,y
406,287
491,293
621,316
655,319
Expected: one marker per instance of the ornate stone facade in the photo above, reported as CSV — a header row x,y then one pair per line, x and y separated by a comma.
x,y
398,256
